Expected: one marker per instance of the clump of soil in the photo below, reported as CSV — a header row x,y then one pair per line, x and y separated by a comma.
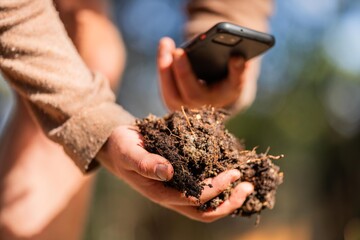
x,y
198,146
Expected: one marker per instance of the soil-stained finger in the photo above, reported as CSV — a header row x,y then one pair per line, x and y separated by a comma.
x,y
215,186
157,192
238,196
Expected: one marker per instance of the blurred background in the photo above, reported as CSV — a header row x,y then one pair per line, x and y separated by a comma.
x,y
307,108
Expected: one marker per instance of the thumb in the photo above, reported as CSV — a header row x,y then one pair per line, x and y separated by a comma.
x,y
236,69
151,165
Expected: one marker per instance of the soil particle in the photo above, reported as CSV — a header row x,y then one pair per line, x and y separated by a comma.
x,y
198,146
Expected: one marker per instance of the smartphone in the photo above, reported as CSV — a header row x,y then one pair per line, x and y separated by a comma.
x,y
209,52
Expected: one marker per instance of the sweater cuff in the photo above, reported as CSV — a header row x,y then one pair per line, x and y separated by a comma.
x,y
84,134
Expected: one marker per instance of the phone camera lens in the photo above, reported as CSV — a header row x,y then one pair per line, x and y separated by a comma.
x,y
226,39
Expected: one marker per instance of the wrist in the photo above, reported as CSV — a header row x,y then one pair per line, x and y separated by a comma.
x,y
103,157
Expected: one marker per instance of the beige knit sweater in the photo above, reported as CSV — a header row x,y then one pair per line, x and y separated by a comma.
x,y
74,106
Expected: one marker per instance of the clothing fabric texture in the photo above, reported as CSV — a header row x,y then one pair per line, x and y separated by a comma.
x,y
75,107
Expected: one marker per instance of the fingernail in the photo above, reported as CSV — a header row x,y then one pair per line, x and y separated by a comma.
x,y
178,53
247,187
235,175
161,172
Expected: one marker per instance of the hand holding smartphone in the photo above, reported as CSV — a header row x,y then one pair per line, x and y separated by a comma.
x,y
209,52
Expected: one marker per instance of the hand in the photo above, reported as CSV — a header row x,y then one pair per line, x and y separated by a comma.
x,y
180,87
125,157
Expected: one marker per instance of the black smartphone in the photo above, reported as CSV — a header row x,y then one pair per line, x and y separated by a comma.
x,y
209,52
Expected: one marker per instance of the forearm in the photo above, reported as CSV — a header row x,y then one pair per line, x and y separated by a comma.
x,y
73,106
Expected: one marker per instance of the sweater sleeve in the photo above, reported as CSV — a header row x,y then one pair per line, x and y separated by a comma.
x,y
74,107
203,14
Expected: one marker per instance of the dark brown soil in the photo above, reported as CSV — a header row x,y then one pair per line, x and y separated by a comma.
x,y
198,146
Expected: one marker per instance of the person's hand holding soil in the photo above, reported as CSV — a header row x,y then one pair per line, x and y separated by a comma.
x,y
125,157
199,147
180,86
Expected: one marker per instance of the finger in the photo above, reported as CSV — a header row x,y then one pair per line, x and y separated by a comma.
x,y
218,184
236,71
248,83
169,90
237,198
192,91
230,88
149,165
166,47
157,191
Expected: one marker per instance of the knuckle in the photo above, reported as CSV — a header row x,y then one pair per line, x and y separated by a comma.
x,y
220,186
183,72
142,167
220,190
194,201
